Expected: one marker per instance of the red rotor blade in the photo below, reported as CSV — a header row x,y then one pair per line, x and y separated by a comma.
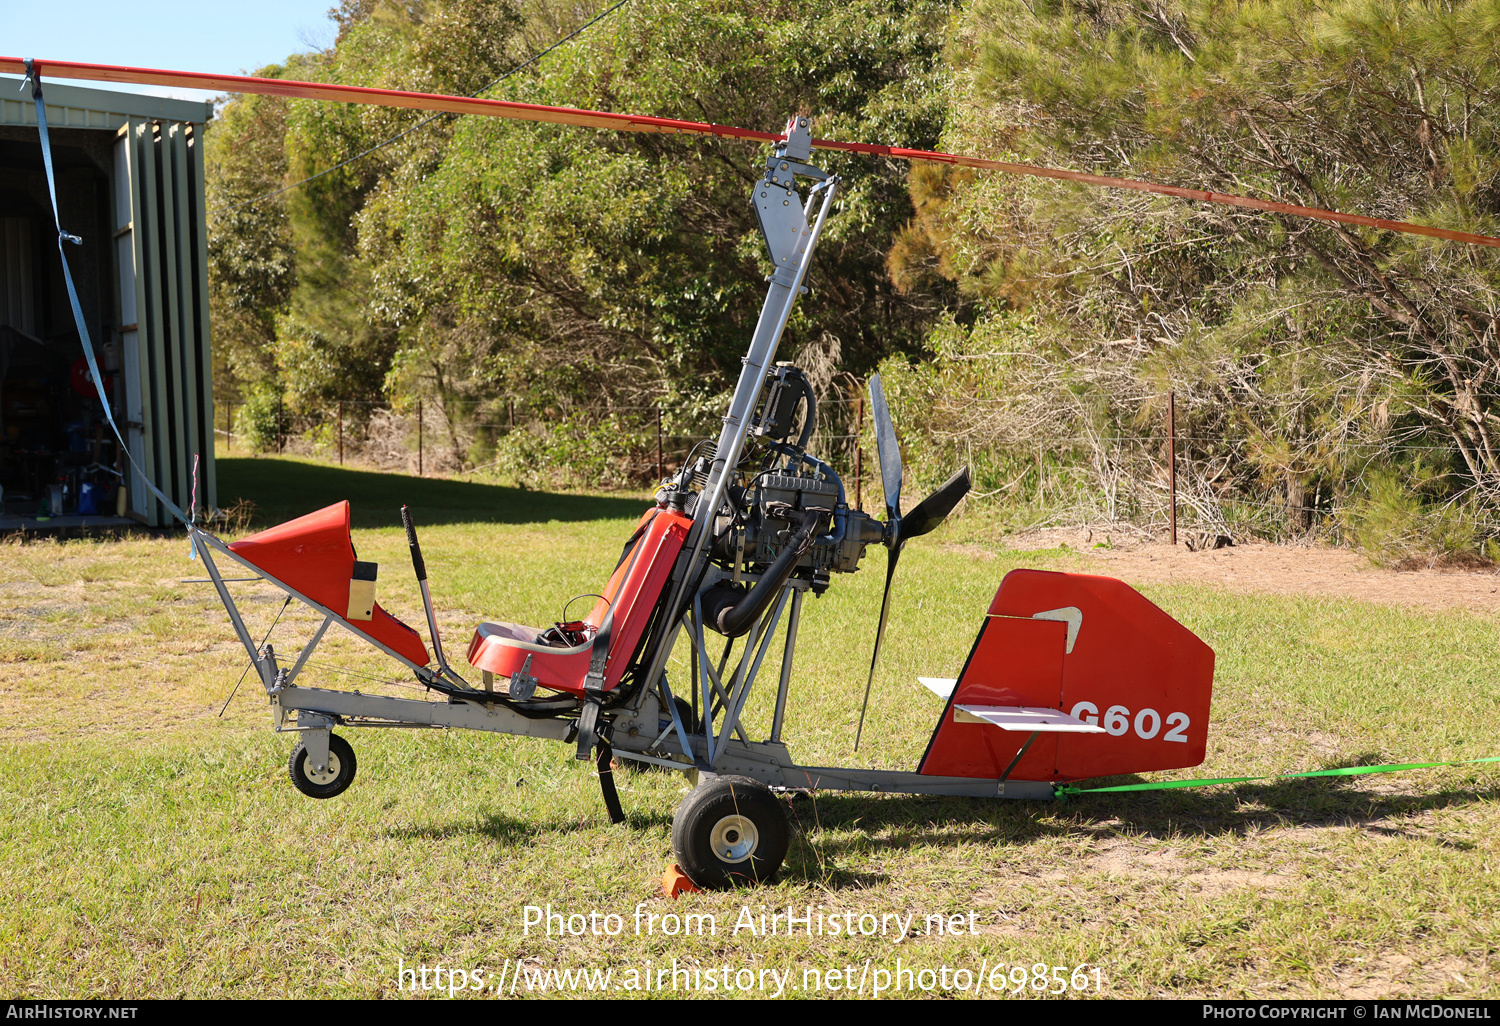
x,y
1201,195
642,123
380,97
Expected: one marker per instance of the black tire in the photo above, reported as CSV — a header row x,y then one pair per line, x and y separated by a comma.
x,y
341,767
730,831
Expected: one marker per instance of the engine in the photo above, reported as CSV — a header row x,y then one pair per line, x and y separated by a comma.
x,y
785,513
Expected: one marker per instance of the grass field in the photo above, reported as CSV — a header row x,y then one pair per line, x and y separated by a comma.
x,y
151,848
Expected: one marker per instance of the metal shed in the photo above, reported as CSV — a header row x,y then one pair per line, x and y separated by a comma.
x,y
130,182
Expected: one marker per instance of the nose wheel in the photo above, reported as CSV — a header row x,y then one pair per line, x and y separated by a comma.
x,y
730,831
329,781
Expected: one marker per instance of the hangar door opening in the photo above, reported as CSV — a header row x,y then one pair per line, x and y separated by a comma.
x,y
129,177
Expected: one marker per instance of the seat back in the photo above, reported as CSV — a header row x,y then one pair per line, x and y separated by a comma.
x,y
635,587
630,597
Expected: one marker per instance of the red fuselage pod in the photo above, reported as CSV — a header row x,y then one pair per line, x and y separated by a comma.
x,y
314,556
1095,649
632,592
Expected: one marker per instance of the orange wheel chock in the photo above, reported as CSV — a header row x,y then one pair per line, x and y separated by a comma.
x,y
674,882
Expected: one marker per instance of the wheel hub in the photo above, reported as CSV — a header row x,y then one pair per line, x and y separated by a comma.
x,y
328,776
734,838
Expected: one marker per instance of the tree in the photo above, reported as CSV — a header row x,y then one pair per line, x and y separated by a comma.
x,y
587,271
252,264
1309,349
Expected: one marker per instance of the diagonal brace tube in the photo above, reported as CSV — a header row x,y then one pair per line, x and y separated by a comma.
x,y
732,715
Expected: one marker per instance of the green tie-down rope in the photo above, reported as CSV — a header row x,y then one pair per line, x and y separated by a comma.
x,y
1062,792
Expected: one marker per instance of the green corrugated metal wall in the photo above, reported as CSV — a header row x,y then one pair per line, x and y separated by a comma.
x,y
169,249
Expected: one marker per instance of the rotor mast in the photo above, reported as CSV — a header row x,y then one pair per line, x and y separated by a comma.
x,y
791,226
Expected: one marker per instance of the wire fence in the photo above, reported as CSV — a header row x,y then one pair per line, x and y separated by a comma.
x,y
1155,479
1163,483
624,445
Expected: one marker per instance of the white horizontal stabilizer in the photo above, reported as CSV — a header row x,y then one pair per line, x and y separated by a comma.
x,y
940,686
1027,718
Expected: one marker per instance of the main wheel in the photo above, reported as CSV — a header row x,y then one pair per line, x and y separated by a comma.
x,y
333,780
728,831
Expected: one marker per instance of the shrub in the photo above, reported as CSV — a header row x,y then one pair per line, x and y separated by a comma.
x,y
257,422
1396,528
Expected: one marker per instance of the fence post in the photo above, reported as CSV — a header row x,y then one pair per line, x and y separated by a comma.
x,y
229,427
859,453
510,409
1172,460
341,432
419,439
278,425
660,473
